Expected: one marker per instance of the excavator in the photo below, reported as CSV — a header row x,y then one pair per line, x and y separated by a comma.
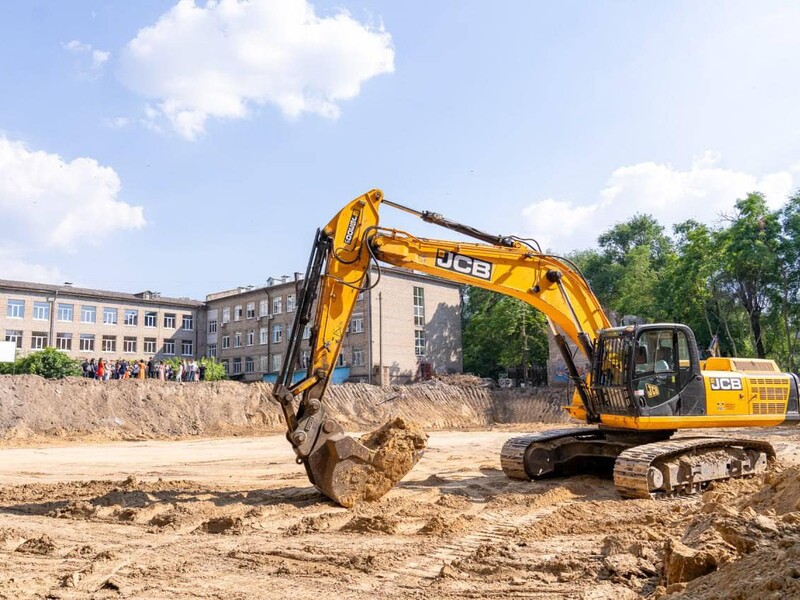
x,y
645,383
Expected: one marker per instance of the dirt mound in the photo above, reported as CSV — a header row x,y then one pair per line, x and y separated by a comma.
x,y
34,408
742,542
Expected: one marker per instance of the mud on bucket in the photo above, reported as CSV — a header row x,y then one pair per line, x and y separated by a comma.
x,y
350,471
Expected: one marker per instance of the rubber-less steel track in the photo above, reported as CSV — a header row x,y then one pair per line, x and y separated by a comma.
x,y
632,470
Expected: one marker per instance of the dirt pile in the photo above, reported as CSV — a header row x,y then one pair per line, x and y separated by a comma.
x,y
33,408
743,542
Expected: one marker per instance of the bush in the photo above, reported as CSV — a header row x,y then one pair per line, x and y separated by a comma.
x,y
49,363
214,370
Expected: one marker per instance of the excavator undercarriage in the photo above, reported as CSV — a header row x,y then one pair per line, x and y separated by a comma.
x,y
643,465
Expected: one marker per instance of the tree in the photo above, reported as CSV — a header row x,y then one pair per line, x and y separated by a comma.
x,y
48,363
750,251
214,369
501,333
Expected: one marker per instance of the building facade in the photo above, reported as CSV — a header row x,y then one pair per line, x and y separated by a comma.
x,y
406,327
87,323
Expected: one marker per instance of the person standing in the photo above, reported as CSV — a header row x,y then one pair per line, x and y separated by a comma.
x,y
179,372
202,371
101,369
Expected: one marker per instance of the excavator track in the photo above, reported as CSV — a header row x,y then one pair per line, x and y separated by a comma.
x,y
516,451
687,465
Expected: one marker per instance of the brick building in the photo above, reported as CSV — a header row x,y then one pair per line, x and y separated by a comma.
x,y
92,323
407,326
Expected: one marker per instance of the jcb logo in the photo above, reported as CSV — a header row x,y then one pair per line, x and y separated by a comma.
x,y
467,265
726,383
351,228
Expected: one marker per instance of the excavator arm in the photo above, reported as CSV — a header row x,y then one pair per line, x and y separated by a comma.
x,y
339,269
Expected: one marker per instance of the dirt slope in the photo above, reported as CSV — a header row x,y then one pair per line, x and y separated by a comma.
x,y
32,407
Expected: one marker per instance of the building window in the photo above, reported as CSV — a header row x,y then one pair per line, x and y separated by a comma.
x,y
169,320
264,363
251,310
65,312
237,366
357,324
340,361
225,366
15,309
307,331
360,297
251,337
41,311
249,364
188,323
129,345
150,319
212,351
226,342
237,312
263,307
276,362
109,316
277,333
64,341
419,342
187,347
38,340
304,358
13,335
419,307
149,345
131,317
277,305
358,357
169,347
88,314
290,303
109,343
263,335
237,340
226,315
212,326
87,342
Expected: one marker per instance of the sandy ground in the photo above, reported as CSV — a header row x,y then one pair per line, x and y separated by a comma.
x,y
236,518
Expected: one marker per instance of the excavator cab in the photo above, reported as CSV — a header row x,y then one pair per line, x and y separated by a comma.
x,y
645,370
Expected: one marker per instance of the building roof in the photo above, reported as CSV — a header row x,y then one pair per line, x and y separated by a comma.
x,y
146,297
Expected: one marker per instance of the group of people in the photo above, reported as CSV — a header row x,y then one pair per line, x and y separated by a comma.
x,y
104,370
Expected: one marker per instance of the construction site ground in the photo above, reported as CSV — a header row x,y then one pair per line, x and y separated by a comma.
x,y
149,489
237,518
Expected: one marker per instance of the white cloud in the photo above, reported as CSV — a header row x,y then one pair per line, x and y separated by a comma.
x,y
98,58
704,192
221,59
48,202
13,265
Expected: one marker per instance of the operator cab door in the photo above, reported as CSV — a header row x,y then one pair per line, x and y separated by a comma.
x,y
664,369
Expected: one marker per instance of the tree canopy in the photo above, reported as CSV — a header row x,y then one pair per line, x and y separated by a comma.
x,y
737,279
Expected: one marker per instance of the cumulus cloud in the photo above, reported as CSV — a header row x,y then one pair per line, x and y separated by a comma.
x,y
222,58
49,202
97,58
704,192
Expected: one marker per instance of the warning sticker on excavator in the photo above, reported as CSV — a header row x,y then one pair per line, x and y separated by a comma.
x,y
651,391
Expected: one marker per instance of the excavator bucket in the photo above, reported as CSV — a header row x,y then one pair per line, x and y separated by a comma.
x,y
350,471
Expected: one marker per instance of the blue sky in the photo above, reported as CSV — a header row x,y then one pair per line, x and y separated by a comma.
x,y
192,147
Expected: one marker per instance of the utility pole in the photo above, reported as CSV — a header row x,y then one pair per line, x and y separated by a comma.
x,y
380,336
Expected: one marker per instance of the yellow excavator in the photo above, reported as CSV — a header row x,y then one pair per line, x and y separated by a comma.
x,y
645,383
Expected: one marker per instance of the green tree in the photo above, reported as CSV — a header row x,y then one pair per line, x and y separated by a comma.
x,y
750,261
49,363
501,333
214,369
